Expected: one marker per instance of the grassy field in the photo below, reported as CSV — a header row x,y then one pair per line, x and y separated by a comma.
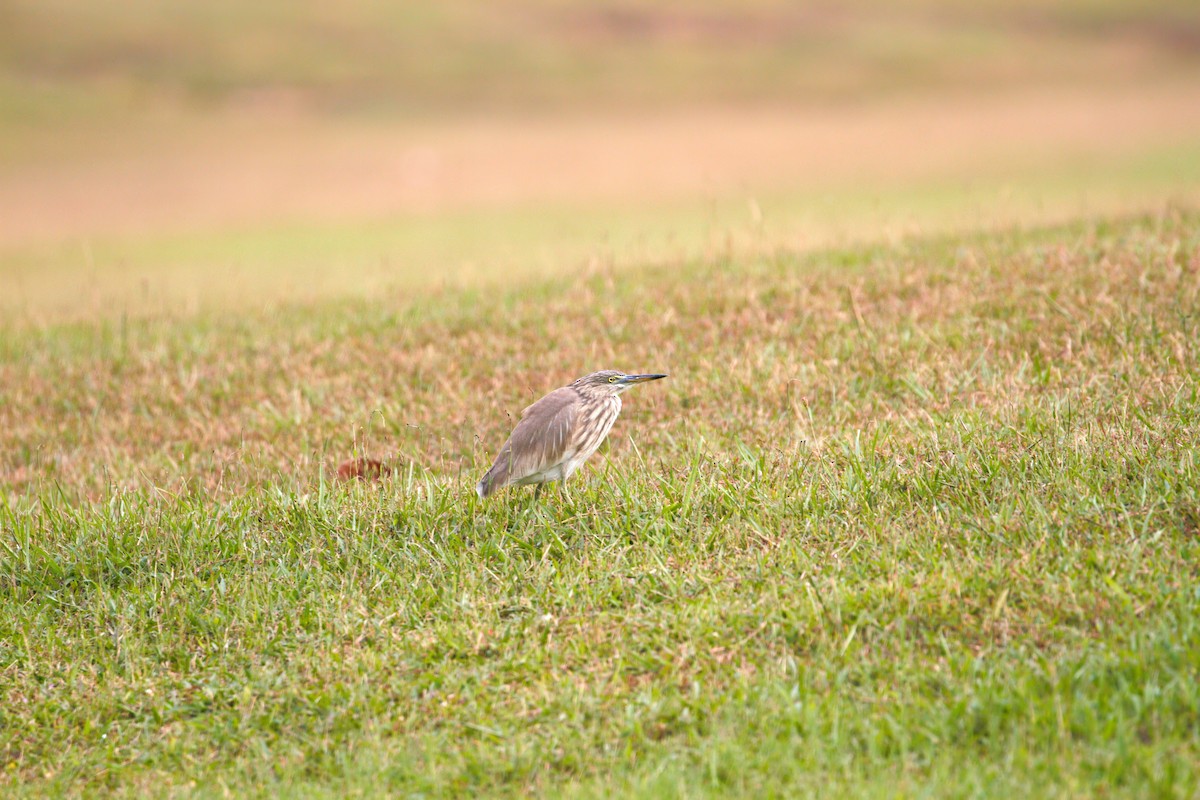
x,y
169,159
911,518
260,267
917,512
73,59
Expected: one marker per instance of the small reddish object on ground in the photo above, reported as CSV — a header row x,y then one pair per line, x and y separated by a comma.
x,y
365,469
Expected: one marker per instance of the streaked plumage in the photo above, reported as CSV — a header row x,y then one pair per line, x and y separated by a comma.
x,y
558,433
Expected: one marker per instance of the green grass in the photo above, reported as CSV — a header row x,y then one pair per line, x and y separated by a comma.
x,y
915,518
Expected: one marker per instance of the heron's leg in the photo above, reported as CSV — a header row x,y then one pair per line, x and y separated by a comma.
x,y
537,490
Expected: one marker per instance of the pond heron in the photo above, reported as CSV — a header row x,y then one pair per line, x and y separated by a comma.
x,y
559,432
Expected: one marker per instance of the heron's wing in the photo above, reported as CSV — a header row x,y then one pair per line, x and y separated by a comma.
x,y
539,441
544,432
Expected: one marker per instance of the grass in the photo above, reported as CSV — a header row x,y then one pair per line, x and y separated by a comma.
x,y
907,518
85,82
260,267
376,58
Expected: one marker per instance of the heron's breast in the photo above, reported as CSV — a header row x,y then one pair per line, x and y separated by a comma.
x,y
594,424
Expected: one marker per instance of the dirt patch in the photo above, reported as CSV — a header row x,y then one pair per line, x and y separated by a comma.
x,y
250,168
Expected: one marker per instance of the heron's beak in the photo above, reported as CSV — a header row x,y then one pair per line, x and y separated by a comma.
x,y
632,379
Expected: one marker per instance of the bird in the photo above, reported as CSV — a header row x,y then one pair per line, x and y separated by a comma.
x,y
558,433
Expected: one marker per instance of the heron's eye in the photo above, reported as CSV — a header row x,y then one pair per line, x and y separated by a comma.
x,y
612,379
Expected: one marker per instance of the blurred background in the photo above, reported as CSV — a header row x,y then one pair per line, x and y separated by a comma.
x,y
162,157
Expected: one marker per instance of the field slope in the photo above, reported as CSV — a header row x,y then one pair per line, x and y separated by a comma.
x,y
911,518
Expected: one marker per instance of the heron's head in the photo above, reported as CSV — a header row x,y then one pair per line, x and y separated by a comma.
x,y
610,381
